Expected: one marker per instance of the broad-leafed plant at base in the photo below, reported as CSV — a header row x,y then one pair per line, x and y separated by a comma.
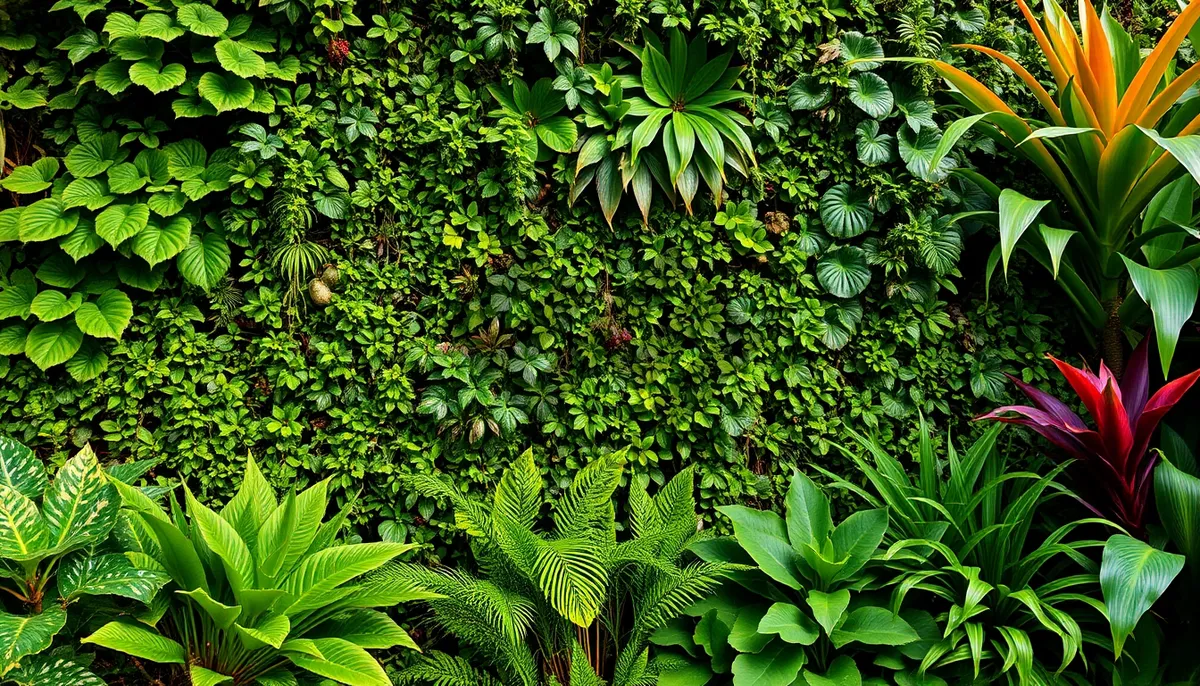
x,y
806,607
1117,143
570,604
1012,598
1114,456
261,591
53,553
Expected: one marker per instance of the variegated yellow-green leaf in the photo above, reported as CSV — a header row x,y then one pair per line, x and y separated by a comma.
x,y
81,505
23,532
22,635
20,469
110,574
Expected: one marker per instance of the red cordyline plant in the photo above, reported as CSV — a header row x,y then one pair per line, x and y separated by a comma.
x,y
1115,453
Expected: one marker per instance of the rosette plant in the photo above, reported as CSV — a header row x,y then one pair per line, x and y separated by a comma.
x,y
54,552
1114,454
259,591
1116,142
683,130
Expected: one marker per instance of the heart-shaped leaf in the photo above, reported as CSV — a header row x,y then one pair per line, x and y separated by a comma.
x,y
32,178
157,77
51,343
160,26
46,219
113,77
90,193
226,91
106,316
51,305
239,59
870,93
94,156
205,260
12,340
119,222
88,363
82,241
159,242
17,297
60,271
202,19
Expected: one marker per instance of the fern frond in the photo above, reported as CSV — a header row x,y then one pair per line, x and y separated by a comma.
x,y
440,669
589,497
518,497
581,670
572,578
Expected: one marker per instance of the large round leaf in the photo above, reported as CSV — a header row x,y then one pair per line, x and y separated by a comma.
x,y
46,219
106,316
90,193
807,94
870,93
844,272
558,133
856,46
81,242
205,260
202,19
846,211
32,178
95,156
873,147
51,305
918,150
120,222
52,343
88,363
156,76
239,59
229,91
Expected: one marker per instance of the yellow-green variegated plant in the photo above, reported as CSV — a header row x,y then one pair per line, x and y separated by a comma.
x,y
1116,141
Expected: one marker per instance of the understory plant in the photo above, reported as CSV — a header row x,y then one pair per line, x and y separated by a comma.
x,y
564,601
1013,597
55,550
807,607
1114,456
259,592
1115,141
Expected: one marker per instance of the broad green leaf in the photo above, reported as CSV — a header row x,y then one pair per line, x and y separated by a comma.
x,y
107,316
1171,295
88,363
873,147
138,641
95,156
808,518
10,224
167,204
51,305
269,632
846,211
202,676
239,59
857,538
17,297
113,77
160,241
82,241
844,672
1133,576
226,91
160,26
12,339
844,272
119,223
763,535
32,178
776,665
157,77
60,271
1017,213
23,531
322,572
205,260
343,662
808,94
873,626
1177,495
125,178
1185,149
111,574
80,505
202,19
558,133
119,25
856,46
828,608
222,615
186,159
21,470
52,343
1056,242
90,193
46,219
223,540
22,635
870,93
744,636
790,623
918,150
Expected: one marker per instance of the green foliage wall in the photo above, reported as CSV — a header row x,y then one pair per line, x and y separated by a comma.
x,y
472,309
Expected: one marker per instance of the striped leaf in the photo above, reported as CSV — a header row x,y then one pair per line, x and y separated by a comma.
x,y
343,662
20,469
111,574
23,532
81,505
22,635
52,670
1133,576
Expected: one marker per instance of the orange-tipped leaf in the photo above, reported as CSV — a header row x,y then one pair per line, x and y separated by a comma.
x,y
1155,65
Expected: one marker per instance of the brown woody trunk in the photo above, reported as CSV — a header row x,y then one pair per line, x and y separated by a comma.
x,y
1112,344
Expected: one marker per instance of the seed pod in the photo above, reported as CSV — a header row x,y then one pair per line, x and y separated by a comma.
x,y
331,275
319,292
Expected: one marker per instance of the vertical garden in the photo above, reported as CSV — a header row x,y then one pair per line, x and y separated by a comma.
x,y
631,342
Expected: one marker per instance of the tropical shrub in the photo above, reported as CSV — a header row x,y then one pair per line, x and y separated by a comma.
x,y
567,605
807,608
1116,144
1115,455
259,591
56,551
1012,595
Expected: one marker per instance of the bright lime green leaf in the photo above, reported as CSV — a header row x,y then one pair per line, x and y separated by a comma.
x,y
107,316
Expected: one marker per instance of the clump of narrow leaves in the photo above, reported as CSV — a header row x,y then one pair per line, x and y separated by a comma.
x,y
1114,454
260,591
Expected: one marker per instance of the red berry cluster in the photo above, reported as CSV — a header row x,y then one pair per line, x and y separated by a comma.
x,y
338,48
618,339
